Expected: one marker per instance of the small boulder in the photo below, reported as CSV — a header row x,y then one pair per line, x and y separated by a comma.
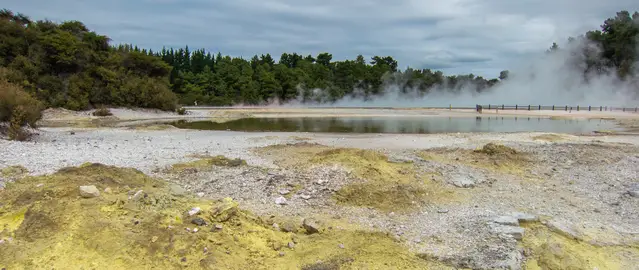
x,y
311,226
194,211
199,221
634,190
281,201
507,220
291,245
89,192
284,191
225,211
515,232
305,197
289,226
138,195
523,217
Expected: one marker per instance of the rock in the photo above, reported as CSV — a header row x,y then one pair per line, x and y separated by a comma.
x,y
464,181
39,185
291,245
225,210
195,230
200,194
311,226
634,190
289,226
523,217
108,190
305,197
218,226
280,201
138,195
442,211
563,229
340,246
282,254
177,190
284,191
276,226
89,192
507,220
199,221
515,232
194,211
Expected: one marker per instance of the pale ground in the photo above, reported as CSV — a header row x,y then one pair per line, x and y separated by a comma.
x,y
579,183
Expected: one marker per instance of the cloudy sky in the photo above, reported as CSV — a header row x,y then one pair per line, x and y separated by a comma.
x,y
456,36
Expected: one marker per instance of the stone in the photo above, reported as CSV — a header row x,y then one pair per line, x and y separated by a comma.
x,y
291,245
195,230
284,191
225,210
305,197
507,220
282,254
515,232
634,190
108,190
177,190
199,221
340,246
194,211
280,201
523,217
464,181
39,185
563,229
442,211
89,192
138,195
289,226
218,226
311,226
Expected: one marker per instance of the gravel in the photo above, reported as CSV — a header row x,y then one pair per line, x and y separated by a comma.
x,y
584,185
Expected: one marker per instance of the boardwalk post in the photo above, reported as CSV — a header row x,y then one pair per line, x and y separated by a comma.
x,y
553,107
566,107
489,106
577,107
529,107
588,107
516,107
623,109
450,107
539,107
600,108
502,107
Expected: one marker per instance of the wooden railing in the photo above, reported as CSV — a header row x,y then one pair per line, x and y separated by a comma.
x,y
555,108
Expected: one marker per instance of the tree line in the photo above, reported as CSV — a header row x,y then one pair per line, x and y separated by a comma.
x,y
67,65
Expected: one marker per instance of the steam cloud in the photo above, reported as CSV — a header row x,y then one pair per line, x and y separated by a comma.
x,y
552,79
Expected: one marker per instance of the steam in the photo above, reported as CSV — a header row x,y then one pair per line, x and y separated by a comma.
x,y
555,78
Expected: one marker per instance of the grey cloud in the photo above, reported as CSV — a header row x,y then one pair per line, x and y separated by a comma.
x,y
478,36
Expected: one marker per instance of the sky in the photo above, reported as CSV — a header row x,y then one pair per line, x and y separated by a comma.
x,y
481,37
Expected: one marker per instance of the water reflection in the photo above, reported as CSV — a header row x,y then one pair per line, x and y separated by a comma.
x,y
403,124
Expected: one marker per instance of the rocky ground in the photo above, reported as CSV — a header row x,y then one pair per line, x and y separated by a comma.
x,y
433,193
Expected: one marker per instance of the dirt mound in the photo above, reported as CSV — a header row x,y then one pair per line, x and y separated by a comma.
x,y
140,222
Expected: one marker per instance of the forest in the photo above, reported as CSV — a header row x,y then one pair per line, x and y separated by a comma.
x,y
48,64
